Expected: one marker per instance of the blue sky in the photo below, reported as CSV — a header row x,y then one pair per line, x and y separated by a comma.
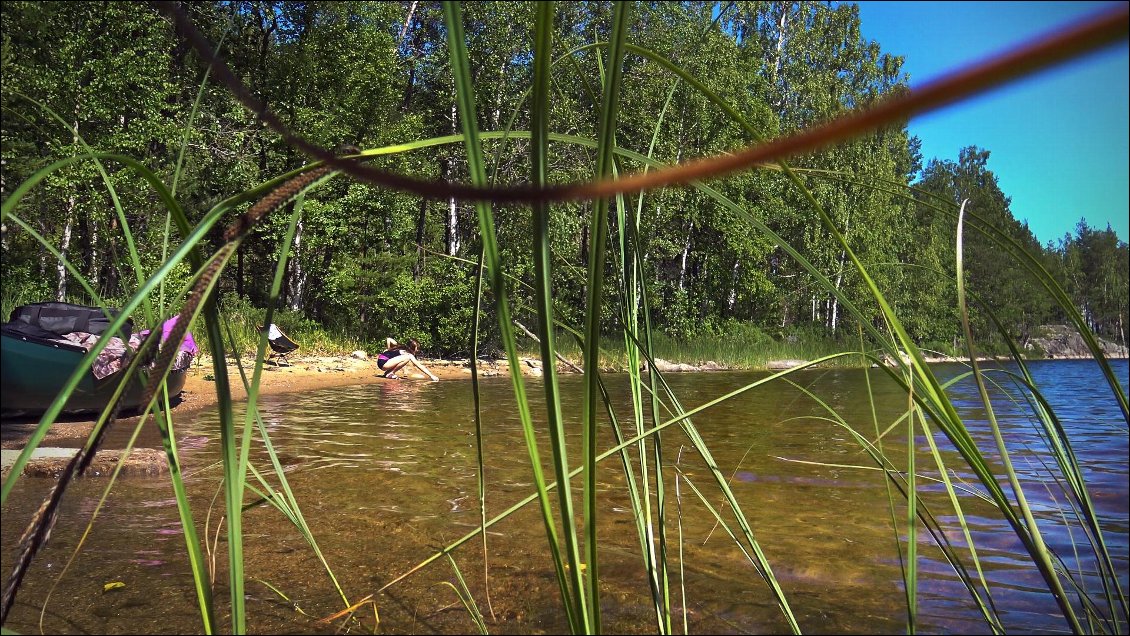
x,y
1058,140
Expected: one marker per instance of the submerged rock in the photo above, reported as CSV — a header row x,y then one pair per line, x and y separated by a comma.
x,y
50,462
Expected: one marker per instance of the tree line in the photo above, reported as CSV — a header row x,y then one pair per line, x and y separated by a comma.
x,y
371,262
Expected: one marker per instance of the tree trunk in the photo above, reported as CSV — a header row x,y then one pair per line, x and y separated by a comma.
x,y
683,258
93,248
60,267
407,22
496,112
584,253
43,231
781,27
297,279
239,273
733,286
452,227
421,220
452,208
834,303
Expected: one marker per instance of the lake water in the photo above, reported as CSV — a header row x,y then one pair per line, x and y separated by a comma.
x,y
386,475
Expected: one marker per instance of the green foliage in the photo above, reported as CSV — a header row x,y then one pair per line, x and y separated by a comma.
x,y
369,263
773,263
1094,268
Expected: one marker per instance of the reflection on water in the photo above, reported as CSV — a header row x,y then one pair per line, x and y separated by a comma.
x,y
386,475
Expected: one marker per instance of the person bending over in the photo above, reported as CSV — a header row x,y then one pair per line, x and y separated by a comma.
x,y
396,356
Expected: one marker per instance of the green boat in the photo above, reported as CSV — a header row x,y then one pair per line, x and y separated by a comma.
x,y
37,359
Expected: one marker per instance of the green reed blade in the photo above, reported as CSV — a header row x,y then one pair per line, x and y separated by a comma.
x,y
539,150
478,422
1041,274
1059,445
574,603
481,461
606,141
922,512
165,419
140,296
1017,251
196,559
200,92
911,578
465,597
988,607
233,465
543,292
9,204
1028,533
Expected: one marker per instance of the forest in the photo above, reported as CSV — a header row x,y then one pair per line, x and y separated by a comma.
x,y
369,262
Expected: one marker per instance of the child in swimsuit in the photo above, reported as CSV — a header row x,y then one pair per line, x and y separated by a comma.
x,y
395,357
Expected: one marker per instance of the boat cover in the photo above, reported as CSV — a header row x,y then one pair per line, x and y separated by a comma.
x,y
51,320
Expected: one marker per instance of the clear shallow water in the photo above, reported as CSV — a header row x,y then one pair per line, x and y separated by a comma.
x,y
386,475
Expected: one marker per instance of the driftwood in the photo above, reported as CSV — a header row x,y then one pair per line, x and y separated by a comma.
x,y
538,340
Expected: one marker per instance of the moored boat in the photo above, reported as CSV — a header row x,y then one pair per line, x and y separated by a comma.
x,y
42,345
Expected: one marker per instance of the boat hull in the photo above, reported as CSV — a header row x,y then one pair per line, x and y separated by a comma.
x,y
33,372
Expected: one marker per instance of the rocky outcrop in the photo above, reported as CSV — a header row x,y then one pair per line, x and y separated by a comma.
x,y
1062,341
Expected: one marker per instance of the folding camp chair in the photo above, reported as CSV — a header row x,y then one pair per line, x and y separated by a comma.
x,y
281,344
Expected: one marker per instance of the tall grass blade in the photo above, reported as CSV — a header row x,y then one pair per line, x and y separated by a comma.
x,y
543,297
606,141
465,597
1024,257
480,459
1029,532
465,100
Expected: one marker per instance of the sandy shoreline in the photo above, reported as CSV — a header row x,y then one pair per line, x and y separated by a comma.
x,y
309,373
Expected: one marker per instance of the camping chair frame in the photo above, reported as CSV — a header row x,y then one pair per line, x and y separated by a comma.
x,y
281,347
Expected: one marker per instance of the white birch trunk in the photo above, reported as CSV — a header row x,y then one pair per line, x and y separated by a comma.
x,y
43,253
835,303
452,208
297,283
780,48
407,22
834,306
496,113
93,265
683,259
60,267
733,286
452,227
